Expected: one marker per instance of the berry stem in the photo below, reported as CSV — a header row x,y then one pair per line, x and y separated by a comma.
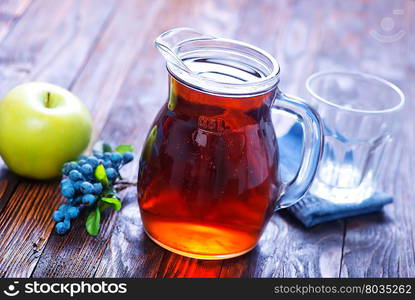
x,y
120,188
126,182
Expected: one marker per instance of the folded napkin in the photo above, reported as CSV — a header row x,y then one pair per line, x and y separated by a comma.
x,y
312,210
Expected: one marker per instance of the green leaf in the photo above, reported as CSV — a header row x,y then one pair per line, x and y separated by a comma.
x,y
93,222
101,147
124,148
101,175
109,192
103,206
113,202
106,148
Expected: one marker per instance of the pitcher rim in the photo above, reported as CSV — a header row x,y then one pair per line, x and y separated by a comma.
x,y
239,89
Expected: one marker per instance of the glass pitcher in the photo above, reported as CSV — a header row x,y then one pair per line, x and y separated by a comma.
x,y
208,179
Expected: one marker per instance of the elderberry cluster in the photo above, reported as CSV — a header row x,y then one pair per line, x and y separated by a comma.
x,y
82,187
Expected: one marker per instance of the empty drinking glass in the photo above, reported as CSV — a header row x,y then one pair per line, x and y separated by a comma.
x,y
359,112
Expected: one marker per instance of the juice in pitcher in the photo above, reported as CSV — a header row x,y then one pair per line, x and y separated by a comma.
x,y
208,179
209,172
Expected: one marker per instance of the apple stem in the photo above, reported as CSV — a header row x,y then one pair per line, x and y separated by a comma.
x,y
48,100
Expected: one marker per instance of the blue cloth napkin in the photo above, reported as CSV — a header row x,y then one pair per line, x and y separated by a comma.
x,y
312,210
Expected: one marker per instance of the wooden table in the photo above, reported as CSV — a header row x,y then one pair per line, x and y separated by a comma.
x,y
103,51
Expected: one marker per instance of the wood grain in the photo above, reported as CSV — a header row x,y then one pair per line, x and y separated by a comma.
x,y
103,51
39,199
10,13
54,51
25,227
101,81
8,183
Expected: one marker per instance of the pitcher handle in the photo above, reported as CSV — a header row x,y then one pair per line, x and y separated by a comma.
x,y
312,148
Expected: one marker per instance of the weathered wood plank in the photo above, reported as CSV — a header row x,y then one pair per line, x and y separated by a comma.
x,y
123,82
100,84
288,250
22,54
128,252
51,47
177,266
382,244
10,12
8,182
25,227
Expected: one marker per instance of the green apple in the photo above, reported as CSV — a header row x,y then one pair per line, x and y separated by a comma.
x,y
41,127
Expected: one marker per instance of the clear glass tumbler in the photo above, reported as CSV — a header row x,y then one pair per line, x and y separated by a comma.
x,y
360,115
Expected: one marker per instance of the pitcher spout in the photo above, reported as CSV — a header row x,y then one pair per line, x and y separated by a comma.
x,y
168,43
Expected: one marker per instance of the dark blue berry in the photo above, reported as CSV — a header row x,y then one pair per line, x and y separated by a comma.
x,y
77,185
67,184
87,170
66,181
65,170
61,228
67,223
72,166
88,199
111,173
107,164
58,216
68,191
116,158
93,161
75,175
64,207
107,156
72,212
98,188
127,157
81,162
99,155
87,188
